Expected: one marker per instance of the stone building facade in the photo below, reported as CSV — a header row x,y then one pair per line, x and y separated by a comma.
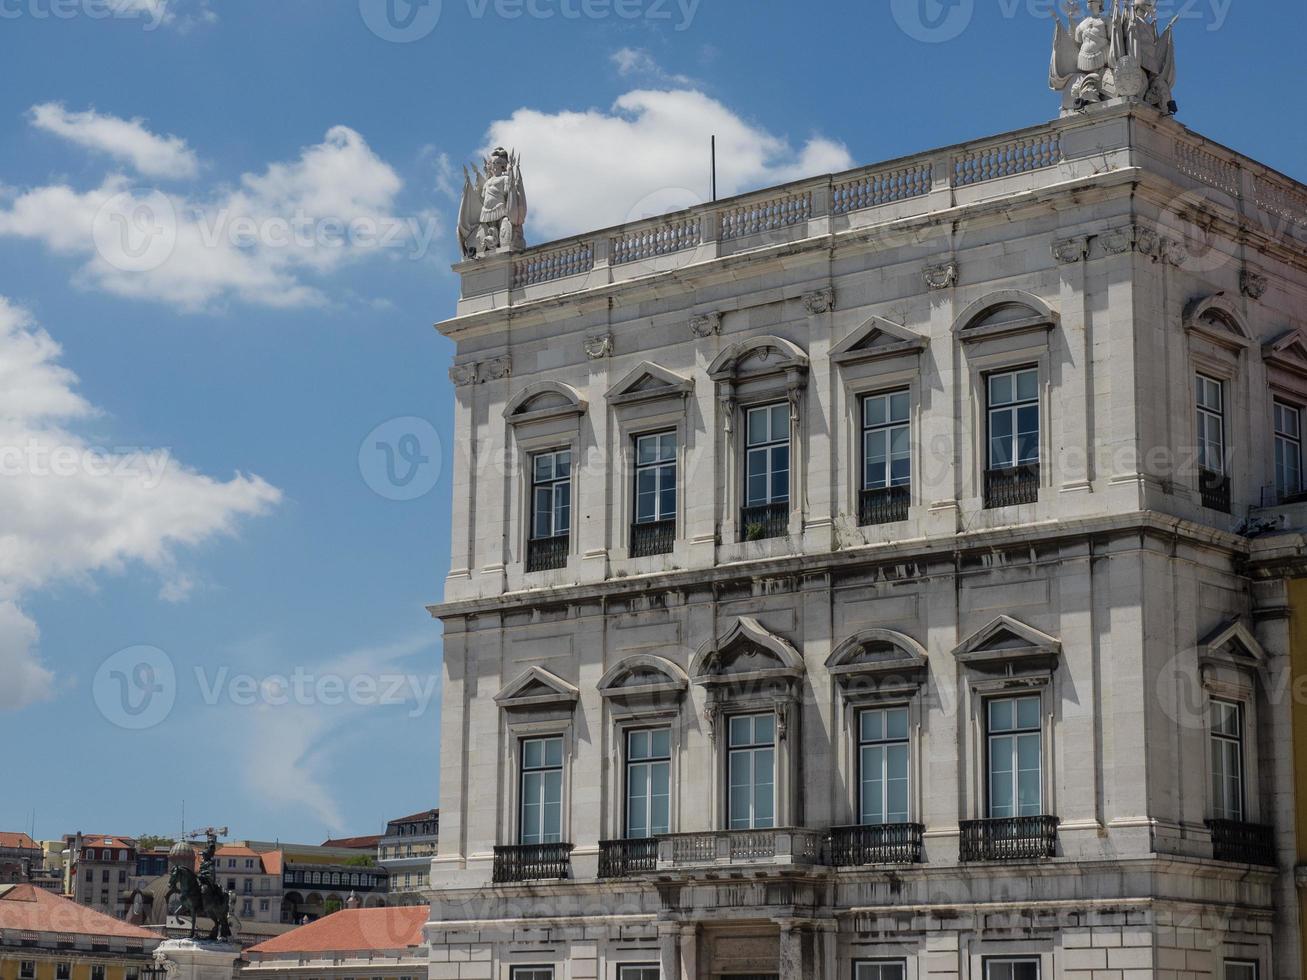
x,y
883,577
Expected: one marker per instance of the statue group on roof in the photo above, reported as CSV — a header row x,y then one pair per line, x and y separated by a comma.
x,y
1124,55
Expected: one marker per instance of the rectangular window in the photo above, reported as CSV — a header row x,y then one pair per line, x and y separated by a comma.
x,y
1288,449
886,448
63,971
767,455
97,973
1012,969
551,494
641,972
1211,424
655,478
751,772
1013,418
1227,761
263,905
27,969
542,791
883,765
881,970
247,907
533,973
648,782
1241,970
1016,750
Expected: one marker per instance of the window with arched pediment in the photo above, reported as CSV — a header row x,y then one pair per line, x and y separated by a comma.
x,y
878,675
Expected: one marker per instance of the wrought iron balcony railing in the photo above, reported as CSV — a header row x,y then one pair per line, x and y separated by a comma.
x,y
765,521
532,862
1012,485
1215,490
652,538
884,505
740,847
1010,839
1243,843
891,843
623,858
543,554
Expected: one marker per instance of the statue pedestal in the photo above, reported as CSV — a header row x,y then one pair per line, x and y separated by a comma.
x,y
191,959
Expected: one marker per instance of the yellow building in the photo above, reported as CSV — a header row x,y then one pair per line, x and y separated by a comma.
x,y
47,937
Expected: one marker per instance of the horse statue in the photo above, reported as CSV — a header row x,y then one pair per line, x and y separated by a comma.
x,y
200,898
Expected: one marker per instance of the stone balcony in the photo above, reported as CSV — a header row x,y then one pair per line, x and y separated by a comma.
x,y
730,849
896,199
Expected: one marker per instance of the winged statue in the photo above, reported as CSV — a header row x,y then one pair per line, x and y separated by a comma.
x,y
493,211
1096,58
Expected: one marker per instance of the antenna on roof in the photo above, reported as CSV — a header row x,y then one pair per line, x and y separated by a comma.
x,y
714,167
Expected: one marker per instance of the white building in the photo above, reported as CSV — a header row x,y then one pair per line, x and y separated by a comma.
x,y
850,579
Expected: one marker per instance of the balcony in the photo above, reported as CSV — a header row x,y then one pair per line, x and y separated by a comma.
x,y
542,554
1243,843
728,848
532,862
623,858
1012,486
1010,839
894,843
1214,488
884,505
765,521
652,538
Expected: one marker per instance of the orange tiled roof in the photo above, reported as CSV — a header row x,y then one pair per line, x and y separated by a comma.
x,y
107,840
357,843
27,908
272,862
351,930
16,839
431,814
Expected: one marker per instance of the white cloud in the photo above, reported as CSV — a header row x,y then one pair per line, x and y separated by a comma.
x,y
123,139
636,62
261,242
287,752
72,510
647,155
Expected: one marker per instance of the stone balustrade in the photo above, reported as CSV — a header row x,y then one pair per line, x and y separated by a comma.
x,y
1074,148
718,848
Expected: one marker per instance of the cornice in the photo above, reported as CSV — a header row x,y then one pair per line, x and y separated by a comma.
x,y
949,547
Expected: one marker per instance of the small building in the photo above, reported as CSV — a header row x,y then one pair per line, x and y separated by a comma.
x,y
48,937
20,856
405,851
100,866
377,943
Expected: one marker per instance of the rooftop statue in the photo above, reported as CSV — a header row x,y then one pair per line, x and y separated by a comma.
x,y
202,895
493,211
1124,56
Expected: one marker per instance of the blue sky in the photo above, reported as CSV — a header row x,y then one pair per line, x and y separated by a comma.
x,y
220,505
